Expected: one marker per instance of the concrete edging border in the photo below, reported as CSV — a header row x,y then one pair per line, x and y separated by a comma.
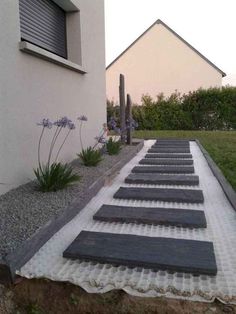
x,y
20,256
226,186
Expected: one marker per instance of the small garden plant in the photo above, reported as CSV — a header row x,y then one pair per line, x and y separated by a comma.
x,y
113,147
55,175
91,156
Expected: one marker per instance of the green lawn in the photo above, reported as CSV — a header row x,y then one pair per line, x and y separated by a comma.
x,y
221,145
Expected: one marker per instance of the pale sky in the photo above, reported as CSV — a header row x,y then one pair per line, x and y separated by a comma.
x,y
208,25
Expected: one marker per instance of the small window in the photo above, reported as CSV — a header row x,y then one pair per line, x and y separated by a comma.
x,y
43,23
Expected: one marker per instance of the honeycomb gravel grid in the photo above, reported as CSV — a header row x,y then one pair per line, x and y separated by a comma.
x,y
100,278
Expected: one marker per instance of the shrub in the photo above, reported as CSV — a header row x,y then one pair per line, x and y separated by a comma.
x,y
90,157
55,177
203,109
211,109
113,147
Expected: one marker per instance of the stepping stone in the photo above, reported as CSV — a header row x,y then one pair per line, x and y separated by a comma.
x,y
175,255
170,150
152,216
170,156
170,146
160,194
172,141
155,178
154,161
163,169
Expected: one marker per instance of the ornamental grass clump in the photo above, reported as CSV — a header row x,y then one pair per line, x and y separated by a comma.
x,y
54,175
91,156
113,147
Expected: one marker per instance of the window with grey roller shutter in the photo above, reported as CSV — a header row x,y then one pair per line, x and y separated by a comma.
x,y
43,23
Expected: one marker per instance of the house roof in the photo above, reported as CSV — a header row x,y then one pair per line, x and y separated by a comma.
x,y
174,33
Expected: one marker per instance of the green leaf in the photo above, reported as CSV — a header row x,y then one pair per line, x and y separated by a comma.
x,y
90,157
55,177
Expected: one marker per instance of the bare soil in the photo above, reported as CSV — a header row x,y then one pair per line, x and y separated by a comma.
x,y
48,297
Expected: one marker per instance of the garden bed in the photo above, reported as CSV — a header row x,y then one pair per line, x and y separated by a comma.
x,y
29,217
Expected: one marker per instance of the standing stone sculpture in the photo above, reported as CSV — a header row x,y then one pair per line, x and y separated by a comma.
x,y
129,120
122,109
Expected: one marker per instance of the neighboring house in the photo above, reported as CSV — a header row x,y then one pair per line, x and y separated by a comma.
x,y
52,64
160,61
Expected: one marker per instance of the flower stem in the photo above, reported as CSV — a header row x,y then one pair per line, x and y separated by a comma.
x,y
57,132
39,147
62,145
80,135
99,137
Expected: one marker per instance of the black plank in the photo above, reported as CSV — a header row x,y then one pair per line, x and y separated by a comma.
x,y
155,178
163,169
171,141
178,255
152,216
181,156
163,161
160,194
170,150
172,144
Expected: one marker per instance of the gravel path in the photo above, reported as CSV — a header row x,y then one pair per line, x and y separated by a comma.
x,y
25,209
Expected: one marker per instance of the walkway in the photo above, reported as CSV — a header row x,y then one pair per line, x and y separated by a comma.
x,y
177,247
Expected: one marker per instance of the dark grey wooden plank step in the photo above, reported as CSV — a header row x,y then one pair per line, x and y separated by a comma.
x,y
175,255
170,150
163,161
185,218
172,143
155,178
160,194
170,146
163,169
181,156
175,141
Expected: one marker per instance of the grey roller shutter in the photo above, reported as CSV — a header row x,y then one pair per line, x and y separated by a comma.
x,y
43,23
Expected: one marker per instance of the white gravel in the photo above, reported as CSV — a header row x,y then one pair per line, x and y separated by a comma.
x,y
25,209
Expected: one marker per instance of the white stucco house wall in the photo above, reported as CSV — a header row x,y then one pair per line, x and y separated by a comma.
x,y
160,61
38,82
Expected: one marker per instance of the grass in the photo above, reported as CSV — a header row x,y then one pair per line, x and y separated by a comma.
x,y
221,145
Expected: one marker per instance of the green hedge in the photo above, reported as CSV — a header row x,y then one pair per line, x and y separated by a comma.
x,y
204,109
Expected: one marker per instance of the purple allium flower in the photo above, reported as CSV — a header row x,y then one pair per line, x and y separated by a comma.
x,y
71,125
46,123
100,139
83,118
131,124
63,122
112,123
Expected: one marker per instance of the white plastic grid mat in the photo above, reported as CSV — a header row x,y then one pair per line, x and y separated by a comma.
x,y
99,278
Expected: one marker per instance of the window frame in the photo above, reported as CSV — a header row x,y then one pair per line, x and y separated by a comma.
x,y
37,39
74,60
